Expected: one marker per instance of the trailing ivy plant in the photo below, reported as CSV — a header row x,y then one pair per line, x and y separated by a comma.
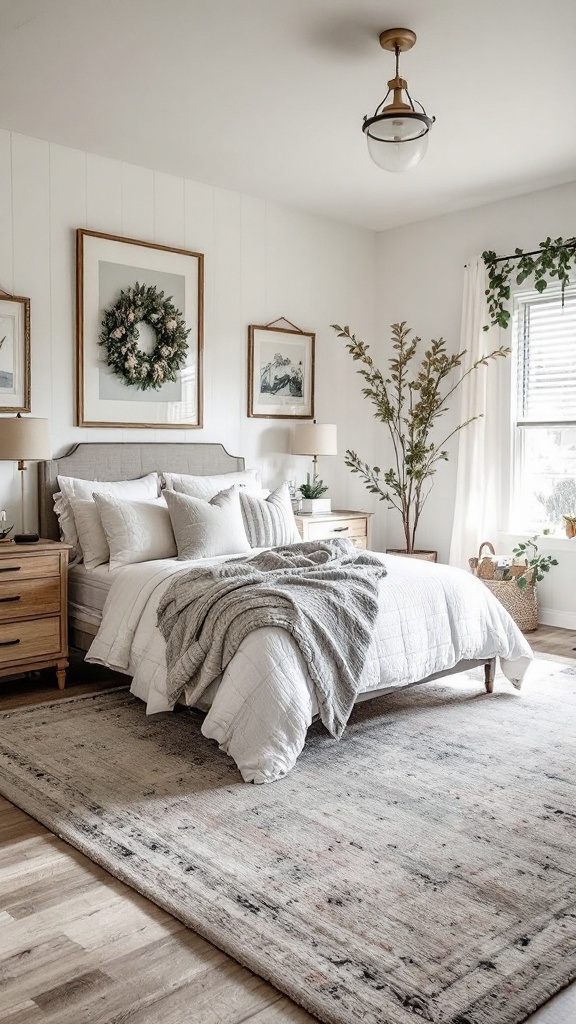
x,y
409,401
536,565
555,258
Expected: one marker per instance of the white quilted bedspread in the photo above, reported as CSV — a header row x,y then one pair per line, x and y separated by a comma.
x,y
431,617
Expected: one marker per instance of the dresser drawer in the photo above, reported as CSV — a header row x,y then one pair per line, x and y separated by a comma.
x,y
24,599
15,568
350,528
29,639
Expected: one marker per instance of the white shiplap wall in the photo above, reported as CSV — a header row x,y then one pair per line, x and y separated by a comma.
x,y
262,261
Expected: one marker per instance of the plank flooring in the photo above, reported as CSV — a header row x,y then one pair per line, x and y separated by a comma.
x,y
78,946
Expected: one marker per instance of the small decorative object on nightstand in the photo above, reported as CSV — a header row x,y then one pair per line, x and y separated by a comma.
x,y
5,528
33,608
342,523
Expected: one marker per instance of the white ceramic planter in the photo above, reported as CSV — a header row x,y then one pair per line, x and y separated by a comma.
x,y
311,506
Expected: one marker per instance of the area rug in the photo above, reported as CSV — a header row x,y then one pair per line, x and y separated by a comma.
x,y
423,868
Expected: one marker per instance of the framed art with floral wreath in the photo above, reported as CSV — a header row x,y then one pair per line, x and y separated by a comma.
x,y
139,321
14,353
280,371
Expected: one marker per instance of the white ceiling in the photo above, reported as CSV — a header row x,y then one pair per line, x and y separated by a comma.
x,y
267,96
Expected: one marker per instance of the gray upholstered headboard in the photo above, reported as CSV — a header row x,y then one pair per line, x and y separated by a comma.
x,y
117,461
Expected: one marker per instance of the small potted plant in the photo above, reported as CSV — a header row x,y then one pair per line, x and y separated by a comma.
x,y
312,500
570,525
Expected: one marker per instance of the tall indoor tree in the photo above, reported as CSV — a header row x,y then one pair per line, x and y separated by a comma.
x,y
409,401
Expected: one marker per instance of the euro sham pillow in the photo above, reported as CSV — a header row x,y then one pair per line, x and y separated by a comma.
x,y
207,486
269,521
204,529
142,489
136,531
93,543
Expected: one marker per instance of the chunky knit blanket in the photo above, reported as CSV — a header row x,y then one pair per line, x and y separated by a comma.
x,y
324,593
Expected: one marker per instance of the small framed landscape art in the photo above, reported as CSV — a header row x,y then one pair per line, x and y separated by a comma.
x,y
14,353
280,372
139,320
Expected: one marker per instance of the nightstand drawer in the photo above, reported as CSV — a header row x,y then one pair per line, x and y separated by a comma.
x,y
25,599
350,528
32,638
15,568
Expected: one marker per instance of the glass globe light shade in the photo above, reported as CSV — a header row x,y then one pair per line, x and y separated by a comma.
x,y
397,143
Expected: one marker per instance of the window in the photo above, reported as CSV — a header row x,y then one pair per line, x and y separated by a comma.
x,y
544,409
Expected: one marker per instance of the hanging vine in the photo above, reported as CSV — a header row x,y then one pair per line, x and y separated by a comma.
x,y
555,258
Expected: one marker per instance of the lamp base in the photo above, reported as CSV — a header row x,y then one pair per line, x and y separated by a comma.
x,y
26,538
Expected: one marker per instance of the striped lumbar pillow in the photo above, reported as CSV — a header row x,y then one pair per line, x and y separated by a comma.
x,y
269,521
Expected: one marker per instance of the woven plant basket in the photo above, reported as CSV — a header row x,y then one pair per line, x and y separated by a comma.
x,y
520,602
522,605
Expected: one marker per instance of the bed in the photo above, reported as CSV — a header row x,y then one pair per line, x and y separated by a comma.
x,y
433,621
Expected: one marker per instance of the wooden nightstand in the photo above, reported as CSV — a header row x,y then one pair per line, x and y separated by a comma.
x,y
33,608
341,523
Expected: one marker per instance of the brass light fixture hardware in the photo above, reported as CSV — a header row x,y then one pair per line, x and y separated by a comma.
x,y
397,132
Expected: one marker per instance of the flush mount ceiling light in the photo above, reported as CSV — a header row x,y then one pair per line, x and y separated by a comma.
x,y
397,133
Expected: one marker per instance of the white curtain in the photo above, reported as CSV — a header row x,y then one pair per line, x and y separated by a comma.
x,y
480,447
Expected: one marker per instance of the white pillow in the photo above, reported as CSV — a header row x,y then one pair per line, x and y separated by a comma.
x,y
269,522
207,486
145,487
204,529
136,531
90,532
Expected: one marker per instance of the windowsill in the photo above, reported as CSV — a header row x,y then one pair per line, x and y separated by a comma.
x,y
552,542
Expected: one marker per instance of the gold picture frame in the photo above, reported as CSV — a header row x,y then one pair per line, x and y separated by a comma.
x,y
106,265
280,372
14,353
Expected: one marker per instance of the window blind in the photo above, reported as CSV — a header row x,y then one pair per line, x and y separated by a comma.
x,y
547,359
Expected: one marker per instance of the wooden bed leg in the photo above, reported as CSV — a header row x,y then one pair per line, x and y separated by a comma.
x,y
489,673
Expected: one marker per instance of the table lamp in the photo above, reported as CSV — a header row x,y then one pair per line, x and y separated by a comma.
x,y
24,439
315,439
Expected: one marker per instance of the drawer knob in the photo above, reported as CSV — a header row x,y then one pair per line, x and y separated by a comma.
x,y
340,529
6,600
9,643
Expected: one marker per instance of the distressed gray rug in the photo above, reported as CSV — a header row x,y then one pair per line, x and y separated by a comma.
x,y
424,868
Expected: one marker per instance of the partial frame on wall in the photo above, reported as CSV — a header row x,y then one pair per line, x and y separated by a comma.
x,y
280,372
109,269
14,353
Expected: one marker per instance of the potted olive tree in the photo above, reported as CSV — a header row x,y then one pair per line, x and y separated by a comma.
x,y
409,402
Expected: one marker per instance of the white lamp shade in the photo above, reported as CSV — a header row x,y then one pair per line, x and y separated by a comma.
x,y
315,439
24,439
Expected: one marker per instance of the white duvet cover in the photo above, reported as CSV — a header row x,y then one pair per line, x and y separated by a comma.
x,y
431,617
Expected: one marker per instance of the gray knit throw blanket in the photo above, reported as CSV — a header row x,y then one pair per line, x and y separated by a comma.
x,y
325,593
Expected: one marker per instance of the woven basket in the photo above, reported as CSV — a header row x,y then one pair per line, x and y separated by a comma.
x,y
520,602
522,605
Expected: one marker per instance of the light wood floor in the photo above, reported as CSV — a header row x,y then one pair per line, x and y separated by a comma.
x,y
78,946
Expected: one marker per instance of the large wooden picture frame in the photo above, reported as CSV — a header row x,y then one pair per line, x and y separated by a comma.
x,y
14,353
106,265
280,373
